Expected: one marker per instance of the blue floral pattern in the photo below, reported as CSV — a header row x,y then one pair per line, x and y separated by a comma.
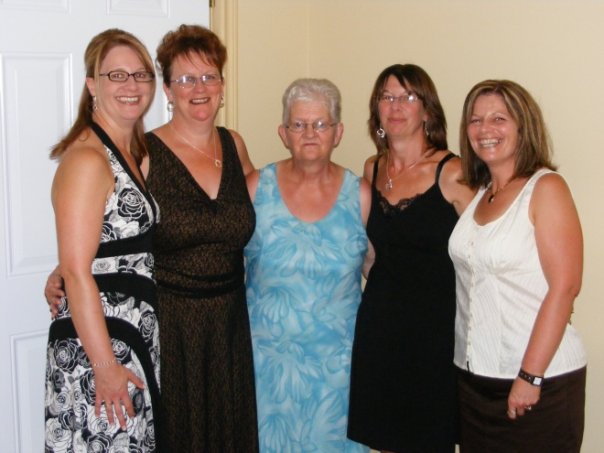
x,y
303,290
71,423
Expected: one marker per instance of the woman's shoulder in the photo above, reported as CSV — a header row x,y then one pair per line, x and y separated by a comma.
x,y
451,182
368,167
548,184
86,150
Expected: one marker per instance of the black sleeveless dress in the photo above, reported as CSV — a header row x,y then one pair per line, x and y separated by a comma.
x,y
208,397
403,389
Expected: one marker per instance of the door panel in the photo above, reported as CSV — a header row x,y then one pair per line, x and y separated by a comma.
x,y
41,78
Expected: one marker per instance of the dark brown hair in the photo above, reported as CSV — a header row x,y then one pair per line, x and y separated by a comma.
x,y
97,50
534,147
412,78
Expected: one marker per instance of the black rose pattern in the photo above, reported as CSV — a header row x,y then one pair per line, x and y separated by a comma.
x,y
58,380
149,440
107,233
147,324
130,204
138,400
71,423
99,443
115,298
88,387
68,420
121,351
66,354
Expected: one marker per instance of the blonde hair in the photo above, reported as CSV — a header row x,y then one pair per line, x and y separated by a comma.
x,y
97,50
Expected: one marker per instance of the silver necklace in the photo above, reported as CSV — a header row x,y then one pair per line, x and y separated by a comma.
x,y
217,162
388,186
499,189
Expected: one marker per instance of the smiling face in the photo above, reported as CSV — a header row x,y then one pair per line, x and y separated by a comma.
x,y
492,131
121,102
400,118
310,145
200,102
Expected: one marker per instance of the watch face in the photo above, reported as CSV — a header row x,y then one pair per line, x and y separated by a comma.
x,y
537,380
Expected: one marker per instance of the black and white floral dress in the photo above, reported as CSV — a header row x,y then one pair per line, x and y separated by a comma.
x,y
123,270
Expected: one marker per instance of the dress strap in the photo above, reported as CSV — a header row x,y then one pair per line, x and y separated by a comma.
x,y
375,170
441,164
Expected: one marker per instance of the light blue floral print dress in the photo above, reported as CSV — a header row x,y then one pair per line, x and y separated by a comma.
x,y
303,290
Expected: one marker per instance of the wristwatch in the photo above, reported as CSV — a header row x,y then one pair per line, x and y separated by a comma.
x,y
530,378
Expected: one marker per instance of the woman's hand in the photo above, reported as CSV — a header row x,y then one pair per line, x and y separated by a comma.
x,y
53,291
111,383
523,396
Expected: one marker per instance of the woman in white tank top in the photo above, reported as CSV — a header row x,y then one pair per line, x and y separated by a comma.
x,y
518,257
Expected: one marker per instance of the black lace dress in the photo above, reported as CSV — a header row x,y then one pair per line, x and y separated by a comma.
x,y
123,271
207,374
402,381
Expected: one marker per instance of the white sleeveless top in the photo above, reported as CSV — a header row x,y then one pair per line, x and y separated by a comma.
x,y
500,286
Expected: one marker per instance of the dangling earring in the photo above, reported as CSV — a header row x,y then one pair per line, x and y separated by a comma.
x,y
380,132
170,106
426,131
95,107
221,101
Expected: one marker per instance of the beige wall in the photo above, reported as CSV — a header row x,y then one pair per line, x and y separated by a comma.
x,y
552,47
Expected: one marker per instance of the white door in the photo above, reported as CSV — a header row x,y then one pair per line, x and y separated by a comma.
x,y
41,77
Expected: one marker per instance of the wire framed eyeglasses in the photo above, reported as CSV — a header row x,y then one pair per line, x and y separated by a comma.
x,y
189,81
297,127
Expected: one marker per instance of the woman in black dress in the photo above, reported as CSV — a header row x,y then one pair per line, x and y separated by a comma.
x,y
403,382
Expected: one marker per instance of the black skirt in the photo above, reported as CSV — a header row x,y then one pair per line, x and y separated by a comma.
x,y
554,425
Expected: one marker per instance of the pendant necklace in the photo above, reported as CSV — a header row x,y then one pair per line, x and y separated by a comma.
x,y
217,162
490,189
389,183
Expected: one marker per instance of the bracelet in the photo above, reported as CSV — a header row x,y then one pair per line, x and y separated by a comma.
x,y
530,378
104,364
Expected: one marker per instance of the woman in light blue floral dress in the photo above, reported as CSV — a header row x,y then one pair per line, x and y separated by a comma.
x,y
303,278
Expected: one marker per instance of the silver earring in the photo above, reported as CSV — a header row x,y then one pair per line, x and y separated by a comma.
x,y
221,101
170,106
426,131
381,132
95,107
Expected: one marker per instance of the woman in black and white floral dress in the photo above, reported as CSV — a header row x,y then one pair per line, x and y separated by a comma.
x,y
102,375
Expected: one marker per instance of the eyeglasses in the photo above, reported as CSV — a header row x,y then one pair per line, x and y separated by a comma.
x,y
407,98
123,76
189,81
297,127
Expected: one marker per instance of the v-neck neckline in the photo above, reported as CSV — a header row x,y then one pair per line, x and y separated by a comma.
x,y
187,172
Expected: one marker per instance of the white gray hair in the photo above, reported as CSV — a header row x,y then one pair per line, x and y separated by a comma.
x,y
309,90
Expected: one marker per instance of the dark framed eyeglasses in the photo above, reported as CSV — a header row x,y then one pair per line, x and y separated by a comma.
x,y
123,76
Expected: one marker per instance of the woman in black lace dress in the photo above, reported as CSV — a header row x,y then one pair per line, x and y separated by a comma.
x,y
103,346
196,172
402,381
